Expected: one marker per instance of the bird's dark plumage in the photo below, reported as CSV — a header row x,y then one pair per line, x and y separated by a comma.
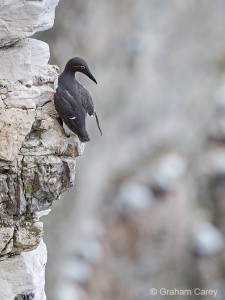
x,y
72,100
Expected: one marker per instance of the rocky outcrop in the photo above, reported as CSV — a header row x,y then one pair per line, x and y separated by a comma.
x,y
23,276
21,19
37,160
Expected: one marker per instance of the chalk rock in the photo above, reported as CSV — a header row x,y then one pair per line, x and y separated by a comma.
x,y
15,124
28,116
24,233
6,234
37,160
45,178
48,136
28,237
21,19
31,57
27,97
24,275
37,180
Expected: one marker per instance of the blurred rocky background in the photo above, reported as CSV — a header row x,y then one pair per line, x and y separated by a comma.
x,y
148,207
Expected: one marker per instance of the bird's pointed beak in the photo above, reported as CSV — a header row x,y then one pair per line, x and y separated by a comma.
x,y
92,77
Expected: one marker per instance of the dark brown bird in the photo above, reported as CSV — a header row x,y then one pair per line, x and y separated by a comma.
x,y
73,101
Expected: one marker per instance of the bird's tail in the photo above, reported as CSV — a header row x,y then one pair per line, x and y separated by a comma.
x,y
97,121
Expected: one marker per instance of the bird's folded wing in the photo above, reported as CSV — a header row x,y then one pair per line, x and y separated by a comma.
x,y
65,104
86,100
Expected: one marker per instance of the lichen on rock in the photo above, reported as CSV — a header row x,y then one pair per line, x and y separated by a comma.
x,y
37,160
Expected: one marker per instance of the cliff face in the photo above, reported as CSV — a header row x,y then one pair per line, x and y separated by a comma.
x,y
20,19
37,161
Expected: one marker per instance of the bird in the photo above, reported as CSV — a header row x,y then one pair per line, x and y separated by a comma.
x,y
73,101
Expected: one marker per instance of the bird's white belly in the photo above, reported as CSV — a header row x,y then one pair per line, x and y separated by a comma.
x,y
67,130
55,84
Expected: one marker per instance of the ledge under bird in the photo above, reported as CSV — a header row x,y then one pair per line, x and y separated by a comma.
x,y
73,101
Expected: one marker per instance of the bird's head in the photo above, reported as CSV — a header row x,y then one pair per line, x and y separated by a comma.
x,y
78,64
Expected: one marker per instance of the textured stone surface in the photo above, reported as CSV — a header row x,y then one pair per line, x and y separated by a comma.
x,y
15,124
37,160
19,234
20,19
6,234
31,57
24,274
26,100
28,237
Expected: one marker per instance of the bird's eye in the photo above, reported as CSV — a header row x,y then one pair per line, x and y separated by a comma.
x,y
82,67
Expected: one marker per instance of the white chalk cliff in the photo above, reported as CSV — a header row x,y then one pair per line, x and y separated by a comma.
x,y
37,161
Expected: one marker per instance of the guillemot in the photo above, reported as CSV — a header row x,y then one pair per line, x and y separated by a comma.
x,y
73,101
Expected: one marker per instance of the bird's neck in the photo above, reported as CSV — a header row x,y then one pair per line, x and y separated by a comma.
x,y
69,74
